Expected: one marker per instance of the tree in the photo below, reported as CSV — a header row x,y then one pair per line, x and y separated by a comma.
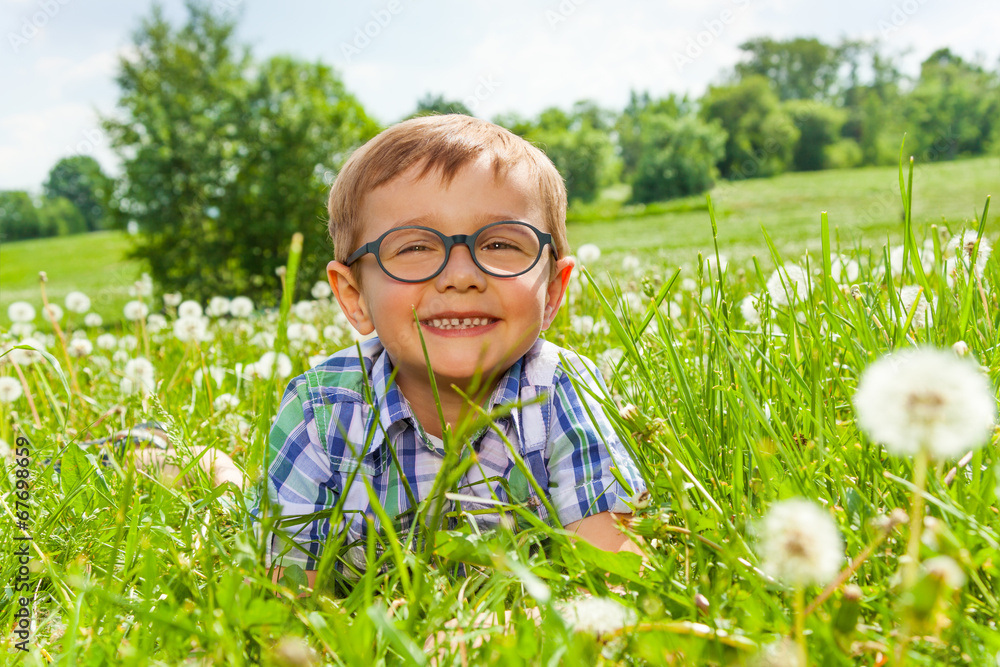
x,y
954,108
677,157
819,128
60,217
629,125
760,136
225,158
578,142
799,69
81,180
18,216
430,105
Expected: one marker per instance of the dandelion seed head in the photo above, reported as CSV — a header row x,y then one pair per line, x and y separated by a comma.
x,y
925,399
140,374
79,348
22,329
92,320
107,341
172,299
587,253
630,263
321,290
142,288
190,329
77,302
799,544
21,311
910,295
26,357
241,306
788,281
581,324
946,569
189,309
217,373
128,342
135,310
52,312
712,265
749,309
305,310
225,402
218,306
689,285
597,616
10,389
156,322
316,359
844,269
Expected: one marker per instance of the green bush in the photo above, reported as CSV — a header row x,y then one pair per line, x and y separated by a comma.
x,y
677,157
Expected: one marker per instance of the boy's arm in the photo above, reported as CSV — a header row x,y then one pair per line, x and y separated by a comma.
x,y
602,531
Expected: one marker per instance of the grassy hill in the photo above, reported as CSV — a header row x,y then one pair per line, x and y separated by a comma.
x,y
863,205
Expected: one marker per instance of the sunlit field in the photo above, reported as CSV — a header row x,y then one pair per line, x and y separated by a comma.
x,y
810,501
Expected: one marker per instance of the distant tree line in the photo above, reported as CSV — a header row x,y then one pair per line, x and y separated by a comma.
x,y
225,156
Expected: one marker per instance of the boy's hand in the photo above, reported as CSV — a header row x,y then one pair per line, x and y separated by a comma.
x,y
603,531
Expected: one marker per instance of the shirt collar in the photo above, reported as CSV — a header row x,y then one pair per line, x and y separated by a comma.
x,y
394,411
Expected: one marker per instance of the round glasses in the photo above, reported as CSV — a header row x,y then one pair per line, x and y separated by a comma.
x,y
414,254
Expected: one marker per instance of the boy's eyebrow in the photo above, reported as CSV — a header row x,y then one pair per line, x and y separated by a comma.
x,y
484,219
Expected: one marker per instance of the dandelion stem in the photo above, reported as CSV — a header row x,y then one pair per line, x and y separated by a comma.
x,y
65,351
800,623
916,519
27,395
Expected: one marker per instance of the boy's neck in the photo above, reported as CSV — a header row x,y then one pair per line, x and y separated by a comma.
x,y
454,406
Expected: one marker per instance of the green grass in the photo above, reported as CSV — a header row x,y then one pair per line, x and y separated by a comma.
x,y
94,264
726,417
863,204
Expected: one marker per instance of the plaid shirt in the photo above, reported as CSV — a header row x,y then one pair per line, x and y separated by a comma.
x,y
317,452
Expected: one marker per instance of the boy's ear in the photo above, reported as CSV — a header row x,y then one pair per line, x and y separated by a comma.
x,y
350,298
556,289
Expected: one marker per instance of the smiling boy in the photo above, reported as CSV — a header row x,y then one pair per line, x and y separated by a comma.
x,y
449,233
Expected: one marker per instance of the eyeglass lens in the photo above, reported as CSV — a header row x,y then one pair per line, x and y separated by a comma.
x,y
417,254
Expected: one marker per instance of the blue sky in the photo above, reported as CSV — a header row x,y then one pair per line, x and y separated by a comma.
x,y
58,57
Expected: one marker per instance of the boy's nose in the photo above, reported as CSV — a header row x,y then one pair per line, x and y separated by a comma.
x,y
460,272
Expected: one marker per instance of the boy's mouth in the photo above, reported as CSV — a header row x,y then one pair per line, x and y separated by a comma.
x,y
457,323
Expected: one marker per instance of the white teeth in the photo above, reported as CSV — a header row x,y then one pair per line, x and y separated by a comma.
x,y
456,323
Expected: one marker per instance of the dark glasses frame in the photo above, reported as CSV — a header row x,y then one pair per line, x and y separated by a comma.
x,y
468,240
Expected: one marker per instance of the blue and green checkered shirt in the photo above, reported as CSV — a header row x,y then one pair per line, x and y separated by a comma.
x,y
317,449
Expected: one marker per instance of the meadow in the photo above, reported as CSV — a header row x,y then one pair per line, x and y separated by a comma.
x,y
808,501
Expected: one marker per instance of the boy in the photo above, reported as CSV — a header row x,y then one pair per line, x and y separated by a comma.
x,y
453,230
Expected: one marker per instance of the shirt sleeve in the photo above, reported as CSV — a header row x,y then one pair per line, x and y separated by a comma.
x,y
583,446
300,481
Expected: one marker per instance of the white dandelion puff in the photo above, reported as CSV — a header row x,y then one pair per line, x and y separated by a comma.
x,y
799,544
925,399
189,309
189,329
77,302
156,322
21,311
305,310
689,285
608,360
225,402
321,290
172,299
844,269
316,359
142,288
713,265
332,332
92,320
788,282
135,310
749,308
597,616
52,312
302,331
581,324
79,348
587,253
946,569
962,246
128,342
107,341
217,373
10,389
218,306
264,339
271,365
910,295
631,263
22,329
140,374
26,357
241,306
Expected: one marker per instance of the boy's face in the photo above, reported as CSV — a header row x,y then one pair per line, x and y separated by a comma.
x,y
505,315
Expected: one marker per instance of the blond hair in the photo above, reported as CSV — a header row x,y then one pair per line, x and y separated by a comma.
x,y
445,143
